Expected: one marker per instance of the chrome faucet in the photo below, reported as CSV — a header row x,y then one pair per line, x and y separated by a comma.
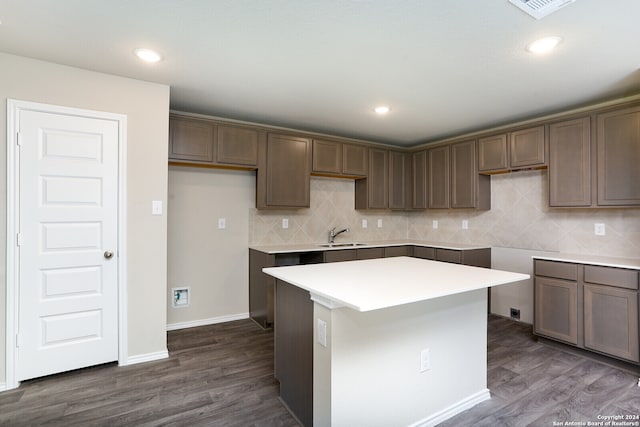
x,y
333,234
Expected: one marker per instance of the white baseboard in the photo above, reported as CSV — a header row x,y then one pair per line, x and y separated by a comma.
x,y
205,322
149,357
3,386
454,409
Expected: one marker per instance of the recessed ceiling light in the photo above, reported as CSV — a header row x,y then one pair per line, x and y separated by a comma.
x,y
147,55
544,45
382,109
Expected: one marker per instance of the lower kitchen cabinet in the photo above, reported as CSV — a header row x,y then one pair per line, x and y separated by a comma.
x,y
588,306
369,253
556,309
391,251
340,255
611,321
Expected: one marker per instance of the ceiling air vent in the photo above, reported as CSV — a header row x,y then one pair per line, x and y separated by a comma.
x,y
540,8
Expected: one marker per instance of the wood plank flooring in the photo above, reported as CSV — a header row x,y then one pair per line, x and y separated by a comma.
x,y
222,375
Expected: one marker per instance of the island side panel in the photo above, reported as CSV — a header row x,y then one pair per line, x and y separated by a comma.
x,y
375,362
294,350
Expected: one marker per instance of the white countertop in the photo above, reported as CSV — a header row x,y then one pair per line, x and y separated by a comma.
x,y
315,247
388,282
632,263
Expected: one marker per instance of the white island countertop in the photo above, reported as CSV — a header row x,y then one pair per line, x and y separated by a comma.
x,y
388,282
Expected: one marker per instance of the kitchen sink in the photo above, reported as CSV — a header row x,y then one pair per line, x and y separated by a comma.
x,y
340,245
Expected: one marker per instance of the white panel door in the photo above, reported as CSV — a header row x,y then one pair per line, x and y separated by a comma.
x,y
68,211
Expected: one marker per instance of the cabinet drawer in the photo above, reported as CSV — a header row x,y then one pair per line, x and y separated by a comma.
x,y
370,253
560,270
424,253
340,255
611,276
449,255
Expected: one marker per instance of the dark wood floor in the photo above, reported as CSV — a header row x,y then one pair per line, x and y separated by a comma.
x,y
222,375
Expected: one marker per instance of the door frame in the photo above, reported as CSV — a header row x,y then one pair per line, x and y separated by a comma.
x,y
14,107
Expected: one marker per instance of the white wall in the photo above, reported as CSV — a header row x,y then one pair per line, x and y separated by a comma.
x,y
212,262
369,374
146,106
519,224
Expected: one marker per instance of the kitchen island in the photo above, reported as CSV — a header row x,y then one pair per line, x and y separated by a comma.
x,y
385,342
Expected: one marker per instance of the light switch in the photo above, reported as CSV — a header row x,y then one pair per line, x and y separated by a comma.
x,y
156,207
380,223
285,223
434,223
222,223
465,224
364,223
322,333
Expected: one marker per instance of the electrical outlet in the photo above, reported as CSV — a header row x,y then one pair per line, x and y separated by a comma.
x,y
434,224
465,224
425,363
285,223
379,222
599,229
222,223
364,223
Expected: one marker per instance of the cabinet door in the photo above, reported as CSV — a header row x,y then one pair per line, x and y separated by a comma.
x,y
463,175
492,153
288,171
397,180
327,157
378,179
611,321
570,163
419,176
526,147
556,309
190,140
438,177
237,146
354,160
618,145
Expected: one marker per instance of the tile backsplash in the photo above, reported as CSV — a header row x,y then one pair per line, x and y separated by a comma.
x,y
519,218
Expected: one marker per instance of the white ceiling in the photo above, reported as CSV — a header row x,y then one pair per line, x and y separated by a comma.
x,y
444,66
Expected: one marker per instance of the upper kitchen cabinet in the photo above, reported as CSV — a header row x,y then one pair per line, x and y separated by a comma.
x,y
520,149
206,142
399,180
337,158
527,148
354,160
599,169
493,153
237,145
284,171
453,179
570,163
419,196
438,177
191,140
373,192
618,157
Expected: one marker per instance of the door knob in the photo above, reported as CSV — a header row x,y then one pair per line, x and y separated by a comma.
x,y
108,254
